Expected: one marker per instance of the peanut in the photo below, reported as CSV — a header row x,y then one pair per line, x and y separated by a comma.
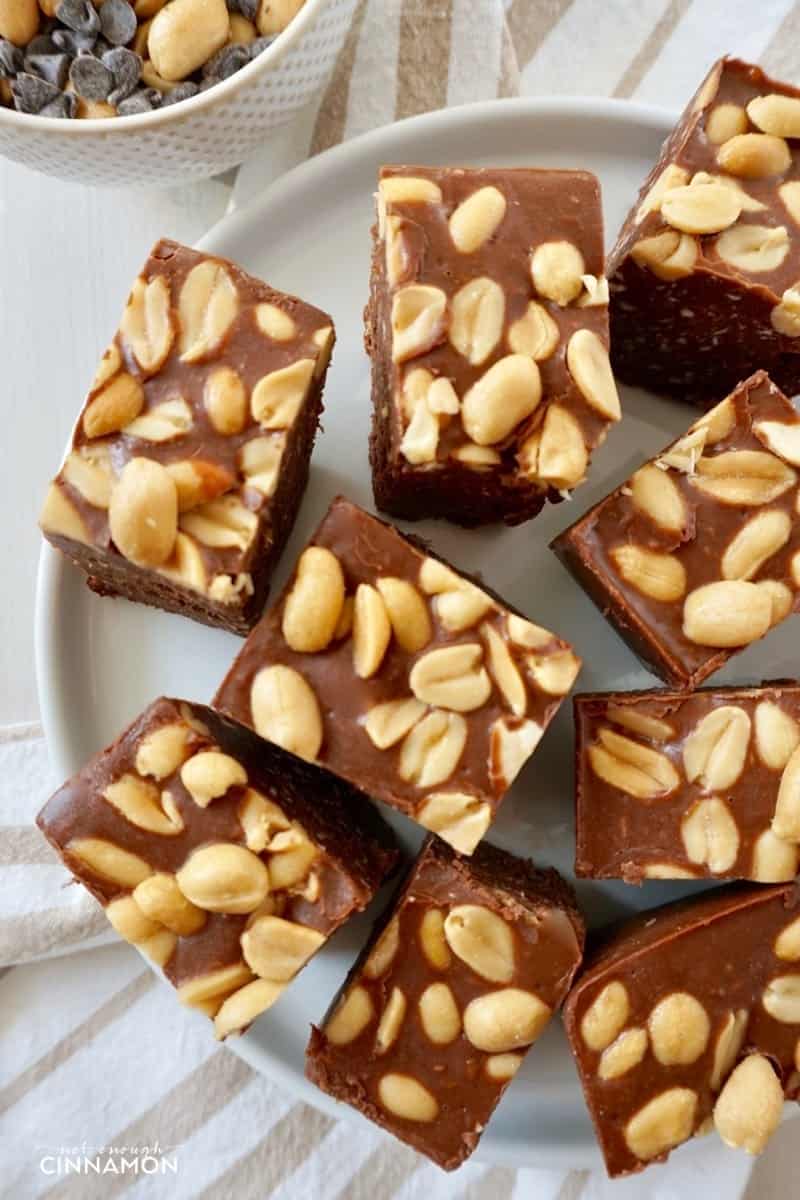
x,y
749,1107
19,20
391,1021
481,939
679,1029
774,860
589,366
725,121
754,155
208,303
143,513
431,751
476,325
776,114
439,1014
418,320
407,612
140,803
382,954
274,323
211,774
405,1097
60,517
726,614
146,324
277,949
451,677
314,604
285,710
226,401
710,835
506,1019
632,767
459,819
605,1017
777,735
109,861
160,898
244,1005
503,397
116,405
277,397
477,219
224,878
535,333
387,723
433,941
729,1043
625,1053
351,1017
184,35
754,248
786,821
557,270
663,1123
716,749
660,576
510,747
372,631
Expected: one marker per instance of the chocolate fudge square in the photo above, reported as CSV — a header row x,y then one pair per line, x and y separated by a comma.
x,y
698,554
383,664
190,457
688,1018
677,785
487,326
226,861
437,1015
704,274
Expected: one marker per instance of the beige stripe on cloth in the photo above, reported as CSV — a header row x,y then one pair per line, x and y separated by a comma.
x,y
780,56
652,47
332,115
423,55
529,24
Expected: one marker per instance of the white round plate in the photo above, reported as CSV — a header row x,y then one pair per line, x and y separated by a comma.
x,y
100,661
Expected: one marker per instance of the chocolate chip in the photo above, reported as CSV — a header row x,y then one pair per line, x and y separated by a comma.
x,y
118,22
247,8
31,93
64,106
145,100
52,67
226,62
126,68
184,91
80,15
90,78
71,42
260,44
11,59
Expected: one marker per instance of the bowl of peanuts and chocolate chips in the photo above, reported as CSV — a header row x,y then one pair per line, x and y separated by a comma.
x,y
117,92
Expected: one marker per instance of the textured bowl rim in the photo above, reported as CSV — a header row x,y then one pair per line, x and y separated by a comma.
x,y
272,56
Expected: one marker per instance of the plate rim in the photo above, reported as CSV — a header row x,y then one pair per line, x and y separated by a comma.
x,y
51,566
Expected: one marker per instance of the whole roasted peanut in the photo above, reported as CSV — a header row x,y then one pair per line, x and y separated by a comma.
x,y
503,1067
407,1098
90,472
505,671
277,397
672,176
451,677
260,462
184,35
351,1017
754,248
510,747
109,861
432,749
129,921
160,898
749,1107
640,722
754,155
777,734
382,954
226,401
208,303
161,751
476,324
786,821
506,1019
764,535
632,767
716,749
503,396
557,270
729,1043
725,121
459,819
387,723
433,941
710,835
141,803
656,494
146,324
787,943
669,255
418,320
143,513
224,878
774,860
210,774
655,574
781,999
407,612
726,614
605,1017
314,605
679,1029
275,323
214,985
160,947
776,114
624,1053
274,15
372,630
286,711
477,219
19,20
391,1021
781,438
481,939
119,402
709,208
276,949
163,422
556,452
554,673
535,333
439,1014
244,1005
459,604
589,366
664,1122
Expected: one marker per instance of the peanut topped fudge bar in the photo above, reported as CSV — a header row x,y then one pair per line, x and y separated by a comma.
x,y
226,861
704,274
190,457
384,665
488,330
698,554
456,983
671,785
689,1018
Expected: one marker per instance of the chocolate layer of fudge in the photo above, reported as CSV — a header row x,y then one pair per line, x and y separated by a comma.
x,y
703,276
671,785
457,981
698,554
228,862
190,457
386,666
688,1017
487,326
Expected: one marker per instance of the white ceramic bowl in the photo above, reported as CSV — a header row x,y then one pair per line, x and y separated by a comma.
x,y
199,137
